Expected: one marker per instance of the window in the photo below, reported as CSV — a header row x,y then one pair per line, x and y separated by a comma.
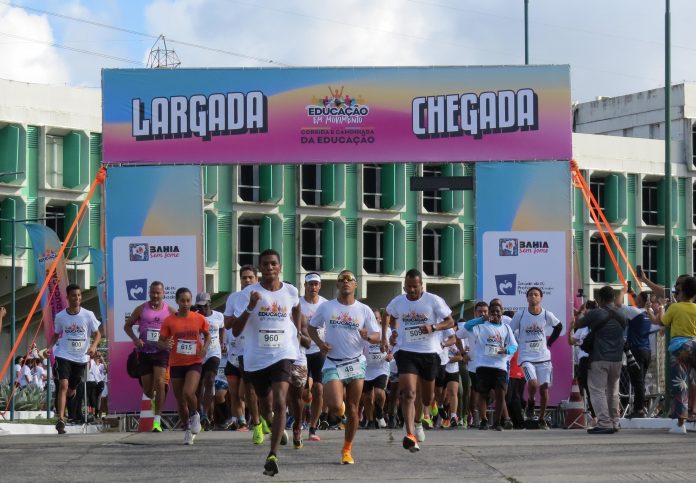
x,y
311,184
693,144
55,220
598,259
248,183
597,185
650,202
650,259
432,200
373,257
311,246
432,261
248,232
372,186
54,161
693,203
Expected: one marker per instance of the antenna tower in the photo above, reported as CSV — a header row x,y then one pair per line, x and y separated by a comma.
x,y
161,57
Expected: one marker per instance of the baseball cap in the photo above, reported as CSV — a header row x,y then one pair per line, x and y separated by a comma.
x,y
312,277
203,298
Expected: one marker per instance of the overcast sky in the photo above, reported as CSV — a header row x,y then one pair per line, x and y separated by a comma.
x,y
614,47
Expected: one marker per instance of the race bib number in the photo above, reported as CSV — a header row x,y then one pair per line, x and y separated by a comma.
x,y
415,334
214,341
77,346
152,335
350,369
221,371
534,346
492,350
376,358
271,338
186,347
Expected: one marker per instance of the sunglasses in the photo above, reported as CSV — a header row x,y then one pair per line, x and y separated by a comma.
x,y
347,278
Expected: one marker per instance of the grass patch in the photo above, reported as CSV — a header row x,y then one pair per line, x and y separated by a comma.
x,y
43,421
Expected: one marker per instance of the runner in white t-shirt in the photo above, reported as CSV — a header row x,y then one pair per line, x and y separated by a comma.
x,y
441,418
234,368
73,328
376,378
480,311
211,361
418,316
269,316
309,303
530,325
347,323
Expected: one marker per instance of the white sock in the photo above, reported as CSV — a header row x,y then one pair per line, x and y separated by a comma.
x,y
157,418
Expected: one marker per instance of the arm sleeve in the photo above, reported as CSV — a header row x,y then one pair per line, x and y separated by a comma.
x,y
511,343
473,323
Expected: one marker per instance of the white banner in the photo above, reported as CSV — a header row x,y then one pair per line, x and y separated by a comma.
x,y
141,260
515,261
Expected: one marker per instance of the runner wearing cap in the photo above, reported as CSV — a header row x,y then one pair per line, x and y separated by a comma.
x,y
348,324
180,334
241,390
152,361
73,328
211,361
419,315
268,314
309,304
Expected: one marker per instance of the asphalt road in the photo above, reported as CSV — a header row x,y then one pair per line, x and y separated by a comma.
x,y
446,455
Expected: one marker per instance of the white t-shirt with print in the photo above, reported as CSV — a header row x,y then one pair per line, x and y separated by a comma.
x,y
342,324
531,334
489,338
270,335
308,310
216,321
410,314
235,345
377,364
444,351
75,334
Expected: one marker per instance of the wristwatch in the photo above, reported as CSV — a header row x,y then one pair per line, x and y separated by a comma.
x,y
433,328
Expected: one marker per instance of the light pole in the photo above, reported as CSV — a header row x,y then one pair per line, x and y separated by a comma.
x,y
668,178
526,32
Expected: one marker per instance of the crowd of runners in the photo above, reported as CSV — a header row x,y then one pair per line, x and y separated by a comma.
x,y
284,365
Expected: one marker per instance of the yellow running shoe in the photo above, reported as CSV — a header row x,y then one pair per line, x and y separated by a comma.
x,y
264,426
347,458
156,427
342,411
257,435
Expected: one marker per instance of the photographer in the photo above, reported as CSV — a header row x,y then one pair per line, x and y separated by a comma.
x,y
606,326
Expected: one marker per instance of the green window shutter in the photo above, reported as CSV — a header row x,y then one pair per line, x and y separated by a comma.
x,y
447,251
265,182
210,238
388,184
447,196
388,248
72,164
210,181
611,197
266,233
10,137
328,184
71,210
327,246
9,210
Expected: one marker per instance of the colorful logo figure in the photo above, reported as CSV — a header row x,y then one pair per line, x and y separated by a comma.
x,y
508,247
139,252
344,320
273,311
534,329
506,284
338,107
414,316
137,289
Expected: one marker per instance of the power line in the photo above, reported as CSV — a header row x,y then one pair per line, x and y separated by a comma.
x,y
143,34
74,49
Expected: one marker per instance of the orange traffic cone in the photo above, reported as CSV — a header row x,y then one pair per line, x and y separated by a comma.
x,y
575,410
147,415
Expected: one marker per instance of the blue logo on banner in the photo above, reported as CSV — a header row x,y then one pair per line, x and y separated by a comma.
x,y
139,252
506,284
508,247
137,289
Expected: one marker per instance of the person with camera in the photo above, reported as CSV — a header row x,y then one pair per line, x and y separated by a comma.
x,y
604,344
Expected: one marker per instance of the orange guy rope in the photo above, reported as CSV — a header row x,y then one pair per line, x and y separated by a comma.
x,y
99,179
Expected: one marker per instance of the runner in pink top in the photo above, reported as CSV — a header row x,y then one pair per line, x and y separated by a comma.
x,y
152,362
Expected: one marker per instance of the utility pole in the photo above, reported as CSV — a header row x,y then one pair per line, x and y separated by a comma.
x,y
162,57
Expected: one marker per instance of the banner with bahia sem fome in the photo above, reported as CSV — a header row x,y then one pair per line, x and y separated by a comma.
x,y
336,115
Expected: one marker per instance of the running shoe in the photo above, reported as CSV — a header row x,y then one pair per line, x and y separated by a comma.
x,y
243,429
483,425
297,438
381,423
230,424
156,426
313,436
543,424
507,424
205,423
323,425
392,422
60,426
678,429
284,438
529,413
434,410
411,443
289,422
264,426
195,423
347,458
271,466
420,434
427,423
342,410
498,427
188,437
446,424
454,422
257,436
